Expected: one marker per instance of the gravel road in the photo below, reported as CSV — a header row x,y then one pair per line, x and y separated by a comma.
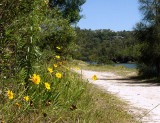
x,y
141,97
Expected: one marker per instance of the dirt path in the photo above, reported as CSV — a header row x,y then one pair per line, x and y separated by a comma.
x,y
139,95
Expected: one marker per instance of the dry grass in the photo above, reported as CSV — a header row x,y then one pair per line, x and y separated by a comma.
x,y
106,108
119,70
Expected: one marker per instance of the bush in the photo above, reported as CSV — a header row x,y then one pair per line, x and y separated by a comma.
x,y
147,71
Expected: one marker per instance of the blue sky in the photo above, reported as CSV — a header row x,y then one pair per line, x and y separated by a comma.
x,y
116,15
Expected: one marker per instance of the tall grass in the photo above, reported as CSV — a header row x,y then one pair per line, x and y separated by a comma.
x,y
64,92
70,99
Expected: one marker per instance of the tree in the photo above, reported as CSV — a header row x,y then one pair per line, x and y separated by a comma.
x,y
150,10
104,46
70,8
148,34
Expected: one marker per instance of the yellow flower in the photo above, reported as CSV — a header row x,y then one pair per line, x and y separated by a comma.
x,y
18,104
58,48
78,68
58,57
60,63
10,94
50,70
55,65
58,75
26,98
35,79
94,77
47,86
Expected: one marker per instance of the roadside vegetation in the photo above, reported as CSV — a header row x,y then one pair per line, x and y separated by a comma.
x,y
37,43
65,98
37,84
119,70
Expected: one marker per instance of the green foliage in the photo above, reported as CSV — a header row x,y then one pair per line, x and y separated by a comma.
x,y
69,99
150,10
104,60
20,32
147,32
70,8
105,46
58,32
63,92
30,33
34,28
147,71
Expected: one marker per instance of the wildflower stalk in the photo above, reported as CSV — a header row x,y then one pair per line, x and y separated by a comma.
x,y
58,119
37,119
2,56
28,58
148,112
81,75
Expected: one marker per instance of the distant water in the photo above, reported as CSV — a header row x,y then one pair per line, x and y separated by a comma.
x,y
127,65
90,62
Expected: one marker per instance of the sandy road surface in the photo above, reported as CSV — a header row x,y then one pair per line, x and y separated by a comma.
x,y
142,97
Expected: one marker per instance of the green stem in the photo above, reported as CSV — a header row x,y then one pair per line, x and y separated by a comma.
x,y
148,112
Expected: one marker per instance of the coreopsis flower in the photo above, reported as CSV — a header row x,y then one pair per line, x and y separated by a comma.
x,y
50,70
47,86
60,63
26,98
10,94
35,79
58,57
94,77
58,75
18,104
58,48
78,68
55,65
